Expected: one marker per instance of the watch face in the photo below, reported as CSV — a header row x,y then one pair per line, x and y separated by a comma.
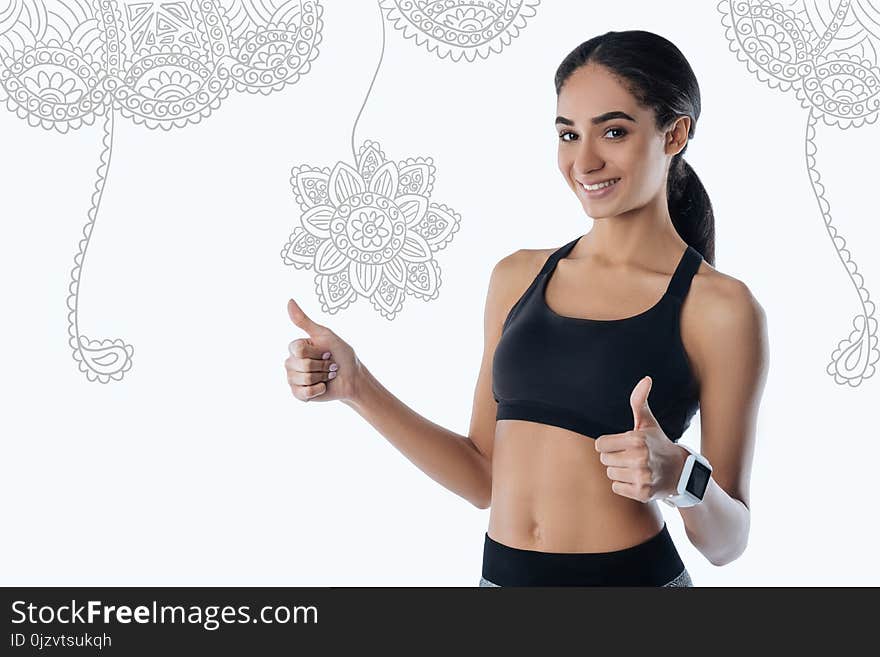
x,y
698,480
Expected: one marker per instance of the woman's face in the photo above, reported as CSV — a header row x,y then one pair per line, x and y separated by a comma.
x,y
604,134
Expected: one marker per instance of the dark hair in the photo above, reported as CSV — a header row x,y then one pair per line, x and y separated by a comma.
x,y
656,72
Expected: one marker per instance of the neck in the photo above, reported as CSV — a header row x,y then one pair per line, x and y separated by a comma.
x,y
644,235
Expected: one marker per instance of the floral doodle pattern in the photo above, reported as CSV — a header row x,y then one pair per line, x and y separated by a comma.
x,y
828,57
370,230
460,28
162,64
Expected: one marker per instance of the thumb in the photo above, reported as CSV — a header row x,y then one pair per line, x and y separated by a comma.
x,y
642,415
299,317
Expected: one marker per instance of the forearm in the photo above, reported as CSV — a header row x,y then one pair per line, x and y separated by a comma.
x,y
448,458
718,526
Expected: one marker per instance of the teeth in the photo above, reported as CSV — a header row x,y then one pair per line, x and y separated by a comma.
x,y
608,183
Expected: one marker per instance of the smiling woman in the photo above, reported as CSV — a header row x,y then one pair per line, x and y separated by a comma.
x,y
584,345
597,354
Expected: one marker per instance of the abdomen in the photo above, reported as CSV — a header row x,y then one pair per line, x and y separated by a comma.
x,y
550,492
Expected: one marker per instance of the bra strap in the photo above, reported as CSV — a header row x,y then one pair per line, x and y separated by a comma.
x,y
554,257
684,273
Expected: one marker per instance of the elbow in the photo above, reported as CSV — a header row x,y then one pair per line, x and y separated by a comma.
x,y
735,548
731,555
724,561
484,500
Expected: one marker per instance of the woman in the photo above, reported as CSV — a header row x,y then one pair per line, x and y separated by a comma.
x,y
564,445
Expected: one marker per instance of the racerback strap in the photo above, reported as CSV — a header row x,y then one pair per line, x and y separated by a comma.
x,y
684,273
561,252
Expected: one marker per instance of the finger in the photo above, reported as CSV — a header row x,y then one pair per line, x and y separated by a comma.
x,y
305,393
295,364
309,378
299,317
305,348
643,416
627,475
614,442
628,490
623,458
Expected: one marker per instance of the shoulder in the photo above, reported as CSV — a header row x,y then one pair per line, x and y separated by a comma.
x,y
516,270
510,278
721,317
723,298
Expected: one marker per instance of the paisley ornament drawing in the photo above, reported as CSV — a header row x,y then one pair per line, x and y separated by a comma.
x,y
460,29
826,54
64,63
370,229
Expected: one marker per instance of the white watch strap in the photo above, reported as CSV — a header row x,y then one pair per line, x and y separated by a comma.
x,y
688,448
685,499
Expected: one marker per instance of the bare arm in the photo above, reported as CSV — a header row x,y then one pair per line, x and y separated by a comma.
x,y
463,464
732,359
447,457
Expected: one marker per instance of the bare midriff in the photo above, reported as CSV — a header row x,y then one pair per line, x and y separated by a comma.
x,y
550,492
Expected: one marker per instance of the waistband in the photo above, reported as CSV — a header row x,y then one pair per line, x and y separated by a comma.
x,y
651,563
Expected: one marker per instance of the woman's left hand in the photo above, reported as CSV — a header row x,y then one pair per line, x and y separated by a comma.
x,y
644,463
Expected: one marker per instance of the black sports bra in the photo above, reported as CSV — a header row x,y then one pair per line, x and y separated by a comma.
x,y
578,373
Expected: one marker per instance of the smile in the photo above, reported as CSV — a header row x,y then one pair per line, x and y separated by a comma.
x,y
602,185
600,190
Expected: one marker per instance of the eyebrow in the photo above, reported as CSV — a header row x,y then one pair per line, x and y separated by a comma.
x,y
596,120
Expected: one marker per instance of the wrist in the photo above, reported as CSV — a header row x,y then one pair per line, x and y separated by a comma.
x,y
693,479
681,457
361,382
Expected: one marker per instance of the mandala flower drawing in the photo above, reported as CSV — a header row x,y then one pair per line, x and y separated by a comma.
x,y
460,29
164,65
826,54
370,230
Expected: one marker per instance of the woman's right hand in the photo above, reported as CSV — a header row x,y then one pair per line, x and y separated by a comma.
x,y
309,373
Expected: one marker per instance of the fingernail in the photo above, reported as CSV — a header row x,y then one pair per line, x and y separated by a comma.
x,y
334,367
326,355
332,375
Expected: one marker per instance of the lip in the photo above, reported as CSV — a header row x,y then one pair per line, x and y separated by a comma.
x,y
605,191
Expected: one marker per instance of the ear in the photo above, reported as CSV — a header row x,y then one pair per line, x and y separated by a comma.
x,y
677,135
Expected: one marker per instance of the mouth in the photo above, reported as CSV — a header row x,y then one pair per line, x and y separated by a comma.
x,y
600,189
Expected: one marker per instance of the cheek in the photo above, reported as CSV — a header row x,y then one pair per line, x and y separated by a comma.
x,y
564,164
649,176
650,166
637,170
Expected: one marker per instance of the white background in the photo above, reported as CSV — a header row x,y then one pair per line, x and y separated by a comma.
x,y
200,468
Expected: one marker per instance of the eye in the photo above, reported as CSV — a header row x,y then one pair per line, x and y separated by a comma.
x,y
569,132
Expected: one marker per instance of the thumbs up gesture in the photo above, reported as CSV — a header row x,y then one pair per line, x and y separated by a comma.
x,y
644,463
322,366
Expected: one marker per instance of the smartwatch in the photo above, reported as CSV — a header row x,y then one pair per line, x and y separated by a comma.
x,y
693,480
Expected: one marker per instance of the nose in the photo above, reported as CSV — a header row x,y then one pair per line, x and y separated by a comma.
x,y
586,159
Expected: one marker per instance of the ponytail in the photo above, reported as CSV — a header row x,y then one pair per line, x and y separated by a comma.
x,y
690,207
